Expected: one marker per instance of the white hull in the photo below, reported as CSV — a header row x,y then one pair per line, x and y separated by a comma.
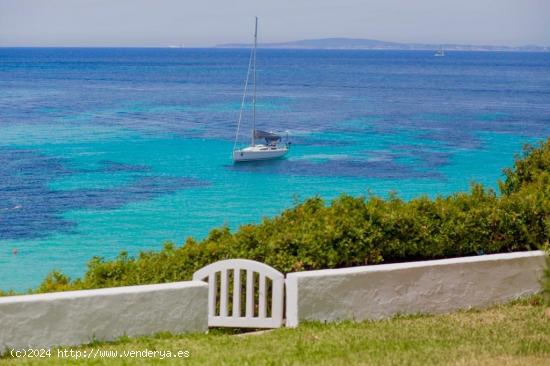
x,y
259,152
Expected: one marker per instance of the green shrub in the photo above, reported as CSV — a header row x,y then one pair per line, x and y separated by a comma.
x,y
55,281
357,231
546,279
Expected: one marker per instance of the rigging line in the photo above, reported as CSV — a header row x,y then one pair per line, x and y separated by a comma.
x,y
254,96
243,100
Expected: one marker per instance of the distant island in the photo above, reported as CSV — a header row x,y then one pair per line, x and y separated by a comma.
x,y
373,44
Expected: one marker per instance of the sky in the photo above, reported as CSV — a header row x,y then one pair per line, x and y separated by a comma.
x,y
200,23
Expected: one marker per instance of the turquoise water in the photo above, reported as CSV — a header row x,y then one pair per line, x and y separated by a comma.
x,y
110,150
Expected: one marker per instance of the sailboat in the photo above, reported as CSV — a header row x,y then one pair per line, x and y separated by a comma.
x,y
439,52
271,146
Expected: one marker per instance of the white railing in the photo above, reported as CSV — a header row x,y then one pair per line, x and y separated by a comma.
x,y
263,294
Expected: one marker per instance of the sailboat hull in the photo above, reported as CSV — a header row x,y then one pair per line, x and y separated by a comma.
x,y
259,152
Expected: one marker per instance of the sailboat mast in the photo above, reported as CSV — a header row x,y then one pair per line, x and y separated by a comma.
x,y
254,80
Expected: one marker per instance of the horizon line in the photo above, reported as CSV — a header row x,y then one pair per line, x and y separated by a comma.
x,y
238,46
247,44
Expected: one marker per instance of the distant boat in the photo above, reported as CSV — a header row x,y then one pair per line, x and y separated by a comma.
x,y
271,146
439,52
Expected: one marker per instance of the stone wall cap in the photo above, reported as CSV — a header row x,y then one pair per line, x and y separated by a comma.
x,y
102,292
419,264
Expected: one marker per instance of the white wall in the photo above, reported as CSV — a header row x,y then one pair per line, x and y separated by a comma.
x,y
76,317
379,291
358,293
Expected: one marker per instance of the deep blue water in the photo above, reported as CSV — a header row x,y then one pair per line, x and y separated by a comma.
x,y
103,150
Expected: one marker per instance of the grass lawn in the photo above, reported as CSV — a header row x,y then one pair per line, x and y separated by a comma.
x,y
513,334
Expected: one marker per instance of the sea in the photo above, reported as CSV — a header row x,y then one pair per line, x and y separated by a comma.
x,y
104,150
